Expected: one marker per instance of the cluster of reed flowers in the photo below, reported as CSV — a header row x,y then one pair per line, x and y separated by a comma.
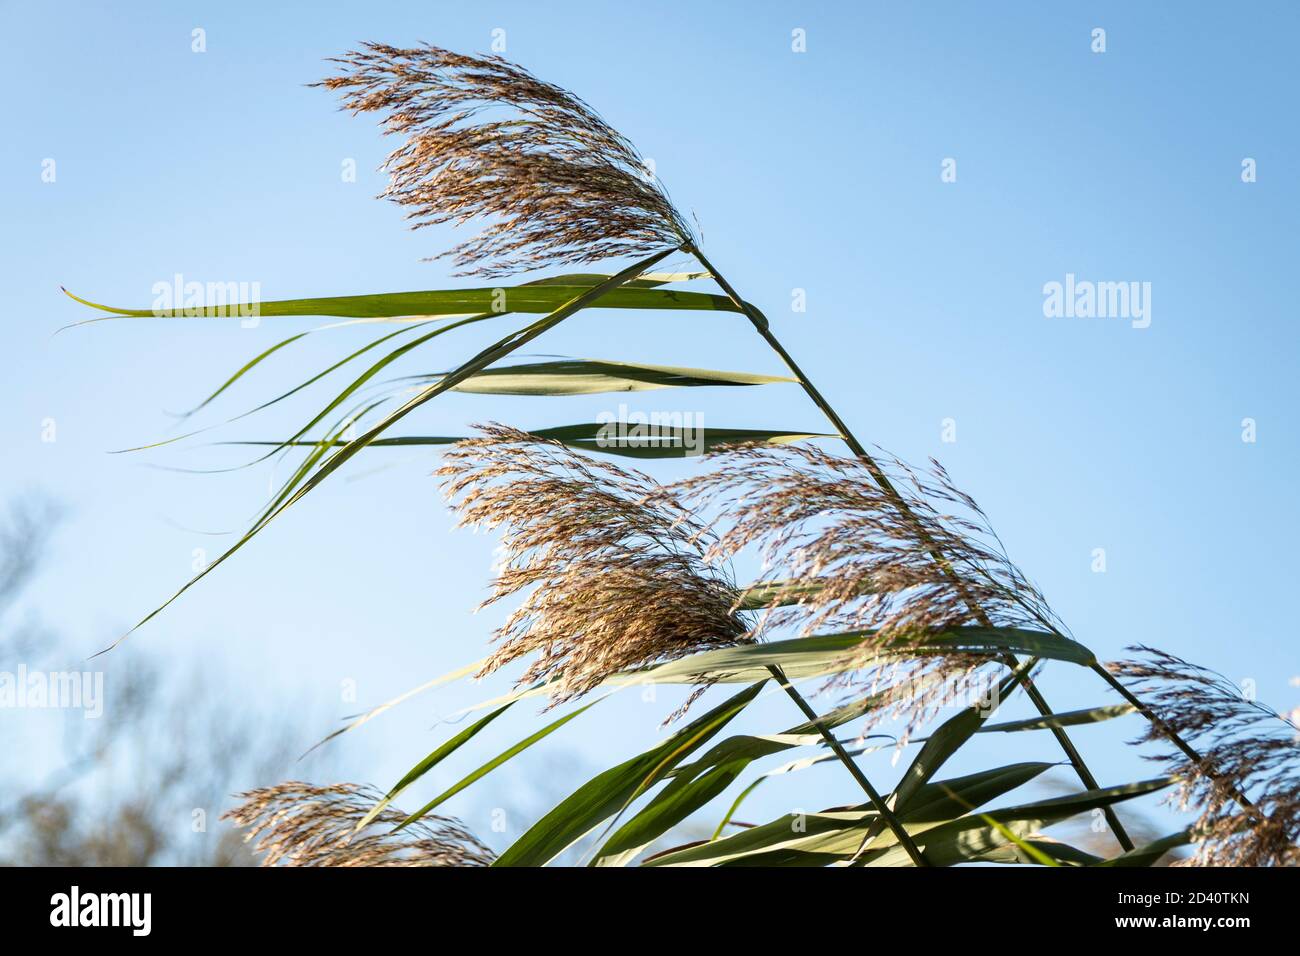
x,y
621,572
298,824
1246,783
484,137
901,564
612,564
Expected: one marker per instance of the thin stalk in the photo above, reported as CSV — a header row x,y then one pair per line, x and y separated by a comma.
x,y
882,480
881,807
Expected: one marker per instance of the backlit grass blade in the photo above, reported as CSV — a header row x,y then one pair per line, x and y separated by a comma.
x,y
1070,718
831,653
594,376
951,736
495,762
374,712
313,460
735,805
247,367
603,439
370,373
293,391
682,797
1149,854
584,279
947,799
534,298
608,793
428,763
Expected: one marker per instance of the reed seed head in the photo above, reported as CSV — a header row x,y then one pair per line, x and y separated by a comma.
x,y
483,137
1245,748
612,565
845,556
298,824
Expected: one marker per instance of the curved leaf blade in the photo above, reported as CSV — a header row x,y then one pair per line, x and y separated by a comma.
x,y
825,654
495,762
532,298
609,792
595,376
1069,718
428,763
594,438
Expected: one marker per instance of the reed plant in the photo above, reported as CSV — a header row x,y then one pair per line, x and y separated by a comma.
x,y
888,587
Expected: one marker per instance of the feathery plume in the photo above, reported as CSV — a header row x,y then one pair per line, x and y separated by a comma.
x,y
612,563
298,824
845,557
484,137
1245,747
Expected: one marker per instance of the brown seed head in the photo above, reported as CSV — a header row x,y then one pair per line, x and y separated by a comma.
x,y
485,138
611,562
844,556
854,559
1245,748
298,824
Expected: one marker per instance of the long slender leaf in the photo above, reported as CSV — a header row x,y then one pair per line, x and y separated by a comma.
x,y
1037,849
374,712
1149,854
682,797
579,279
731,811
508,754
593,376
668,442
374,370
428,763
609,792
941,745
830,653
944,800
535,298
1071,718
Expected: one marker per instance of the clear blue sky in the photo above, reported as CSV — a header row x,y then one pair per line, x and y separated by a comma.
x,y
817,171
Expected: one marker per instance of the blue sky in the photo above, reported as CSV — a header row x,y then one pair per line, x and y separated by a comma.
x,y
817,171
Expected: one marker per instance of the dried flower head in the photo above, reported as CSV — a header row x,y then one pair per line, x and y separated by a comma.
x,y
484,137
847,556
611,562
298,824
844,556
1246,749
